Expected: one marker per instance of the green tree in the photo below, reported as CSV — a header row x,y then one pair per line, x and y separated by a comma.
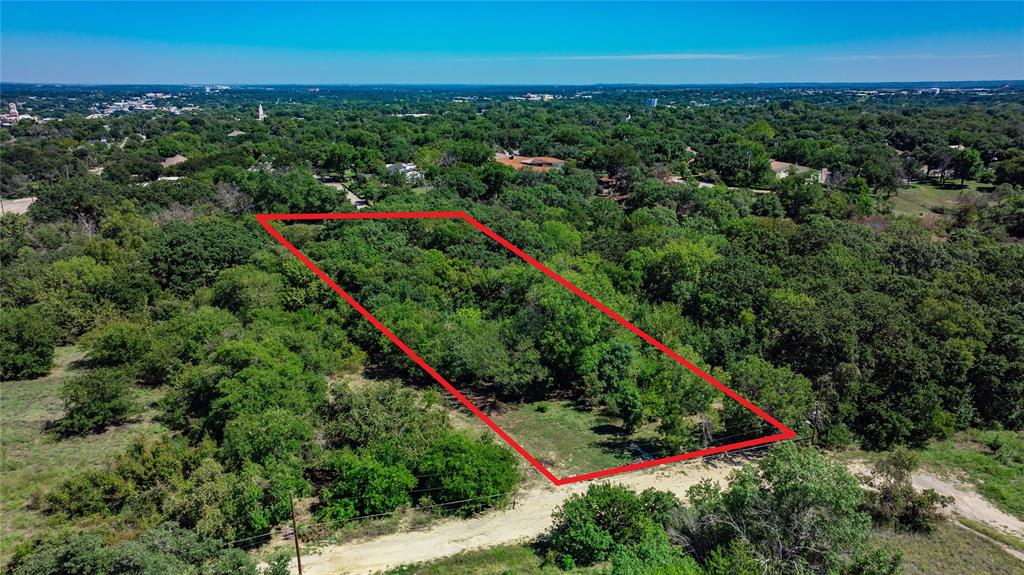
x,y
784,395
891,499
467,475
28,340
796,511
590,527
97,400
363,486
118,343
967,165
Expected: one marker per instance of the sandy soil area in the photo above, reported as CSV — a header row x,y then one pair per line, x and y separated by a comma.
x,y
18,205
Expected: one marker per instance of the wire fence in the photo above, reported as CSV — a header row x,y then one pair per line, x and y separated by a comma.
x,y
308,527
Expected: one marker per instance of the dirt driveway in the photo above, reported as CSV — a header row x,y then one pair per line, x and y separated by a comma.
x,y
530,517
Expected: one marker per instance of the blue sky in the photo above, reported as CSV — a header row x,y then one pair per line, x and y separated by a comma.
x,y
511,42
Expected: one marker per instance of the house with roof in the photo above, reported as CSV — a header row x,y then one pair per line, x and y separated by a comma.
x,y
408,170
783,169
534,163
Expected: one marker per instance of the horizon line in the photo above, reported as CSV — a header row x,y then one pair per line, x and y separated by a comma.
x,y
515,84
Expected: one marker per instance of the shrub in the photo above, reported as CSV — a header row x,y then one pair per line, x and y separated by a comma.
x,y
796,511
96,400
364,486
28,339
469,474
590,527
891,499
273,435
118,343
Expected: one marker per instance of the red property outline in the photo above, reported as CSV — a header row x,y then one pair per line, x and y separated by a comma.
x,y
785,432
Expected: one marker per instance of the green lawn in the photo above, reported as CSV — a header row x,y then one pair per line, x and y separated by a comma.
x,y
510,560
993,461
33,461
922,196
950,550
570,441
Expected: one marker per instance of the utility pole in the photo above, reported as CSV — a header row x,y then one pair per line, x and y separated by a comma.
x,y
295,532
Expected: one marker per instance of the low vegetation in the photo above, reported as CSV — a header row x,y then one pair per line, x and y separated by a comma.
x,y
950,550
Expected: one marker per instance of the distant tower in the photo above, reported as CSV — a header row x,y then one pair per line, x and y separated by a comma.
x,y
13,109
262,116
651,102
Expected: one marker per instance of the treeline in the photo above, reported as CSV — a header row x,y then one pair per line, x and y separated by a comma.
x,y
734,143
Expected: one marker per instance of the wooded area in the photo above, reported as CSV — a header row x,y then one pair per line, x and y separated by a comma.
x,y
850,323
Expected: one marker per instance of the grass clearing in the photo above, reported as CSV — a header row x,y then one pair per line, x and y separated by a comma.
x,y
507,560
923,196
569,441
950,550
992,461
33,461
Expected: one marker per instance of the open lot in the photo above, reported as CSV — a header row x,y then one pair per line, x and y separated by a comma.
x,y
32,461
924,196
570,441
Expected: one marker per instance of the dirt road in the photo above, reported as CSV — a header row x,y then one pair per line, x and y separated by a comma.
x,y
530,517
16,205
967,503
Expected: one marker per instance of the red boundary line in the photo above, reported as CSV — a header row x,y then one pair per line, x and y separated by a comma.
x,y
785,432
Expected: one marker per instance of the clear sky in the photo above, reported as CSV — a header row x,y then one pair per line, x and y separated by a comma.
x,y
511,42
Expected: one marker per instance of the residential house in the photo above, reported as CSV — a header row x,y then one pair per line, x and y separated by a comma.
x,y
535,163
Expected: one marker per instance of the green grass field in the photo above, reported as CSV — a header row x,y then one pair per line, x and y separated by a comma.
x,y
32,461
509,560
922,196
993,461
950,550
570,441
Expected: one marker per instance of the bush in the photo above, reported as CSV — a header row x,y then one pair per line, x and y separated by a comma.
x,y
118,343
97,400
891,499
469,474
653,557
28,339
794,511
273,435
591,527
164,550
364,486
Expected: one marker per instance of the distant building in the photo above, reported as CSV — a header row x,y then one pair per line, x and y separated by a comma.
x,y
261,116
12,116
783,169
651,103
535,163
410,171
